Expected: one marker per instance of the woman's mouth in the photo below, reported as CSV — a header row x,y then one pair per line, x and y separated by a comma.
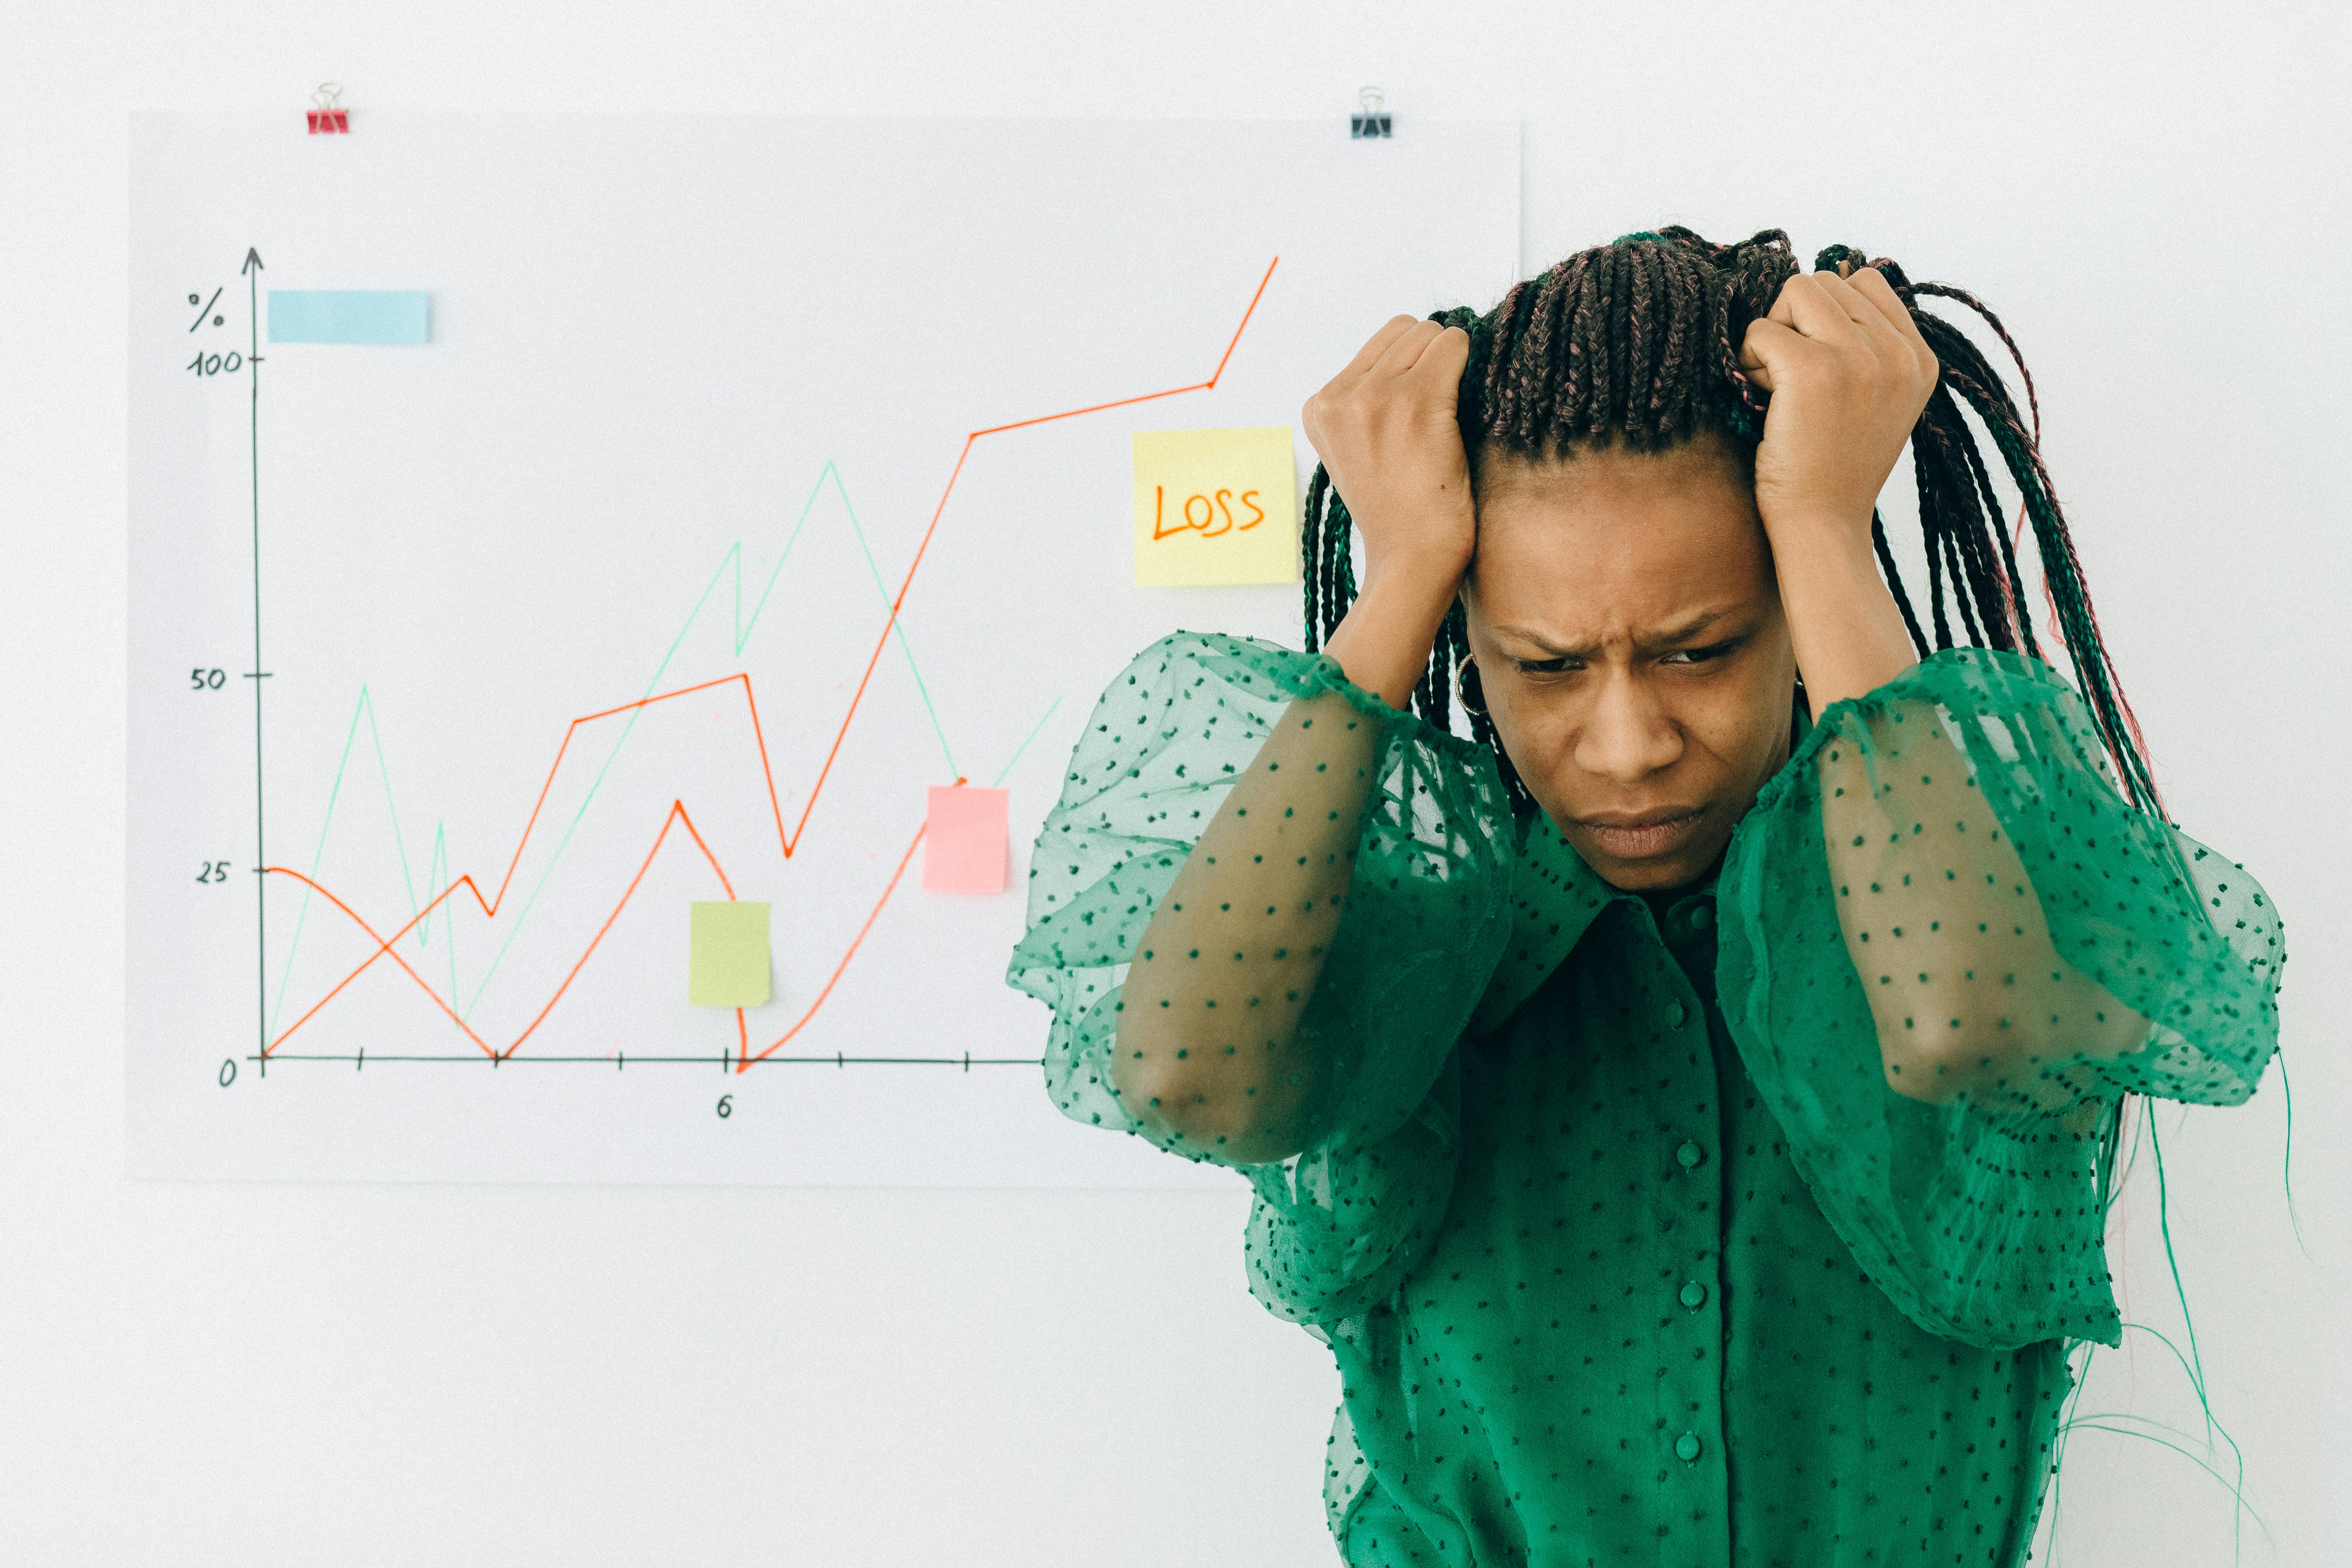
x,y
1640,836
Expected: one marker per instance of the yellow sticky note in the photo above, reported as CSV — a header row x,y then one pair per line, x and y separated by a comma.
x,y
1215,505
729,966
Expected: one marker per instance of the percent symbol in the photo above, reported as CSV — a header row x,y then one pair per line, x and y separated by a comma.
x,y
205,311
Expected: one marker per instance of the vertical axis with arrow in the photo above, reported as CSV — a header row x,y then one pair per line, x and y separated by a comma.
x,y
252,270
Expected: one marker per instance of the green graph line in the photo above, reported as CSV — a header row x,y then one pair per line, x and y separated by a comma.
x,y
437,870
398,838
303,911
588,799
1025,743
742,632
439,879
898,623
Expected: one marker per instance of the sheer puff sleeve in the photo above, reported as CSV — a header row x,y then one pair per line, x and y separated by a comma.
x,y
1950,948
1335,1226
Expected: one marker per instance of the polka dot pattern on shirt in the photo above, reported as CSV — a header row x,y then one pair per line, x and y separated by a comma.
x,y
1750,1230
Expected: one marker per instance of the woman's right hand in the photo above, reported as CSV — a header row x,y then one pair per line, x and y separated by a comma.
x,y
1385,429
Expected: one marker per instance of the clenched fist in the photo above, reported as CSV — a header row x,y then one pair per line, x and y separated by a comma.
x,y
1848,373
1385,429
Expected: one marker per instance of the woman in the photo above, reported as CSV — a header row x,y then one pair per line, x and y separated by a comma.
x,y
1688,1108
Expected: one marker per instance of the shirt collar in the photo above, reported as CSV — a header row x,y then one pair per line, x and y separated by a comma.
x,y
1555,898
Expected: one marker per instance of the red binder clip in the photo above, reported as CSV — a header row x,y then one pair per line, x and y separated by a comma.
x,y
326,119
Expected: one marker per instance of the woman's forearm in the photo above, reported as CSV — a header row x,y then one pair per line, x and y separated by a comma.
x,y
1847,634
1208,1030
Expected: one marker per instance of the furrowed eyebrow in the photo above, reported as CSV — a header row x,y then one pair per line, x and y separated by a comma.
x,y
1673,636
1677,636
1539,640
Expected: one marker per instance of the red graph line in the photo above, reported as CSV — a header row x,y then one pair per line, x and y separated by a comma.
x,y
678,812
787,843
383,947
875,913
913,566
492,909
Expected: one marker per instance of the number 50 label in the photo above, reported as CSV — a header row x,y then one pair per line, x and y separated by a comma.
x,y
1215,505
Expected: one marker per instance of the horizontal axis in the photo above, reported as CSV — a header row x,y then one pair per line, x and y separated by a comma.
x,y
360,1059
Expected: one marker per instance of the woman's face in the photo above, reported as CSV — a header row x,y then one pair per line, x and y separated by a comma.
x,y
1629,640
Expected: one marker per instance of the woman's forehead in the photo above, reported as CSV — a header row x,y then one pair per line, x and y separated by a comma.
x,y
1615,543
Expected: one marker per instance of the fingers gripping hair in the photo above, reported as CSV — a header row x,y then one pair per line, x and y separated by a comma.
x,y
1635,341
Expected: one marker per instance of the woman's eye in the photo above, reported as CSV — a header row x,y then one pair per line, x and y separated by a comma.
x,y
1699,655
1541,666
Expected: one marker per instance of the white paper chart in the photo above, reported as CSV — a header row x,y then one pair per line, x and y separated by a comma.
x,y
540,524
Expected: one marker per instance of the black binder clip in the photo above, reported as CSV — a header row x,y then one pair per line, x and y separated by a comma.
x,y
326,118
1370,121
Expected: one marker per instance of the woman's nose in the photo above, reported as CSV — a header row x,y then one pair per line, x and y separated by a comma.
x,y
1628,735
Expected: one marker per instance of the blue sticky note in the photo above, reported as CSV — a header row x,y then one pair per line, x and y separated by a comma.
x,y
347,316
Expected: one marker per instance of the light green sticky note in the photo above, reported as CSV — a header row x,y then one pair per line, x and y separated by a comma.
x,y
729,967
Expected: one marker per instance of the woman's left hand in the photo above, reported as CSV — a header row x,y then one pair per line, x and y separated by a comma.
x,y
1848,373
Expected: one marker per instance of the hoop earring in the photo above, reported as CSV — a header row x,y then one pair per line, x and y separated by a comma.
x,y
1468,690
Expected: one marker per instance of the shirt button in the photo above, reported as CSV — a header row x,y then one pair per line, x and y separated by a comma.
x,y
1675,1014
1702,916
1694,1296
1690,1155
1688,1448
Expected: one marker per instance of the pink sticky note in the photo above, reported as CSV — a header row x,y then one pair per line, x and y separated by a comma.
x,y
965,844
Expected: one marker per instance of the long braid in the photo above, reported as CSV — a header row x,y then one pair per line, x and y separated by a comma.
x,y
1638,341
1969,373
1893,576
2004,571
1931,522
1946,291
1311,529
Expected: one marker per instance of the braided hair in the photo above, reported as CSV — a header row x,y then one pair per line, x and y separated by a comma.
x,y
1637,342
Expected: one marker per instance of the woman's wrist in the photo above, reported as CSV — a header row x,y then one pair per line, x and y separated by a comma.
x,y
1385,641
1847,633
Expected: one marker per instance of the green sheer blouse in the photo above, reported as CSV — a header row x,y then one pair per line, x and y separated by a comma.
x,y
1750,1230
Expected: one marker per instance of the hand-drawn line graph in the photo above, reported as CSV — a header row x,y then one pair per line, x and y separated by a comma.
x,y
436,873
744,1056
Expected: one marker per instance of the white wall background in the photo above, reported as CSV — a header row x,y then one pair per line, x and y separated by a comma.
x,y
2152,194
